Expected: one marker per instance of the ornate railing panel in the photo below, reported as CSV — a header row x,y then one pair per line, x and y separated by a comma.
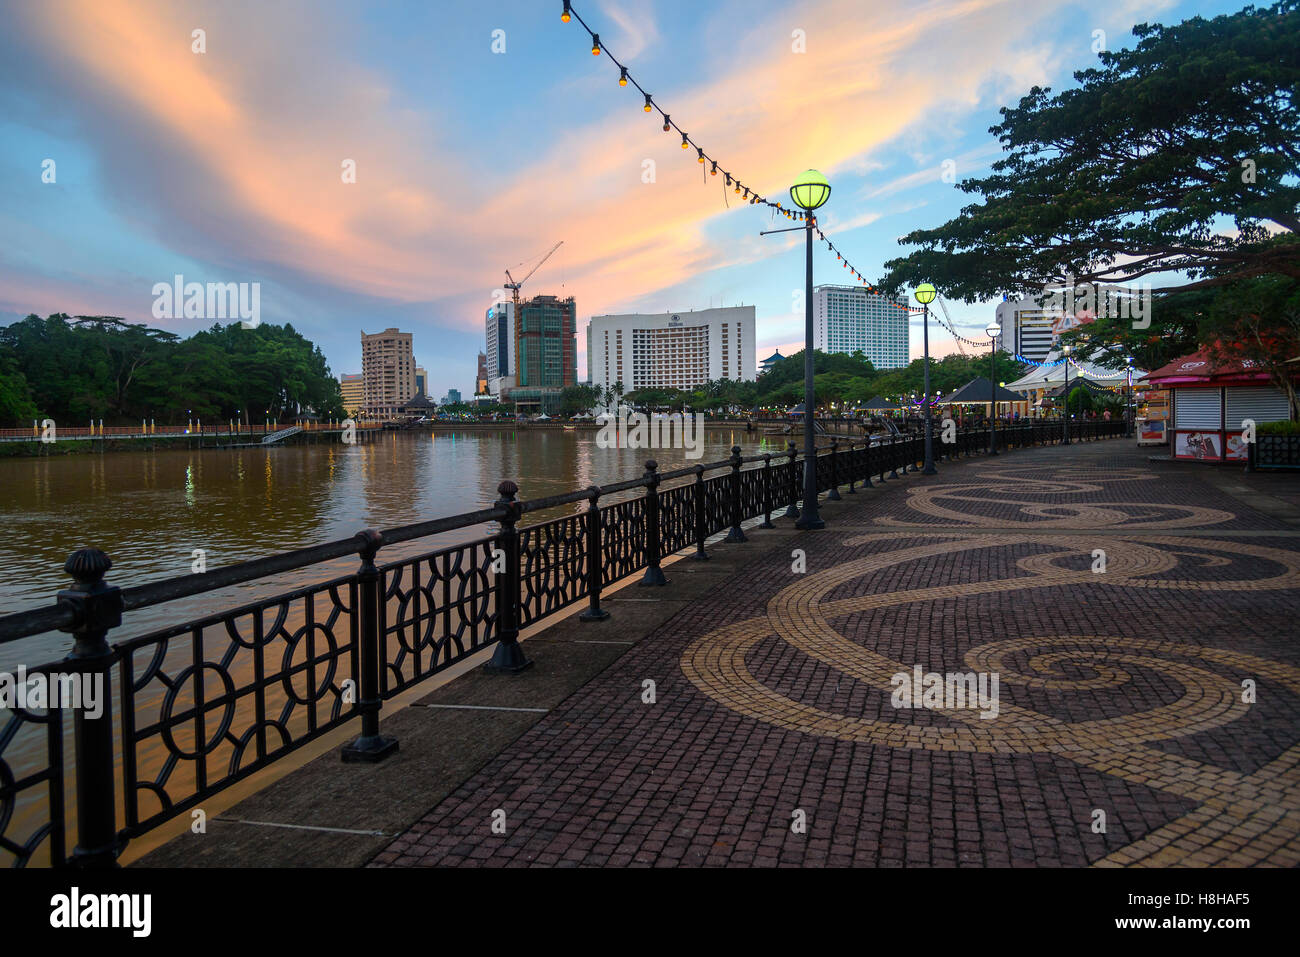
x,y
553,567
209,702
32,803
438,608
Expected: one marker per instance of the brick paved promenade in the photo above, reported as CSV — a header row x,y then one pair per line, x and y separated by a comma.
x,y
1120,694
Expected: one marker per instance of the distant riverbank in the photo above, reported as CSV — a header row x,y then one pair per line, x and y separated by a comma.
x,y
35,448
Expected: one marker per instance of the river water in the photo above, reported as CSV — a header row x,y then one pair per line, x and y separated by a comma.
x,y
150,510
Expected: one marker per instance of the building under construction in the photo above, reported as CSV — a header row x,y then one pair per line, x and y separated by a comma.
x,y
546,353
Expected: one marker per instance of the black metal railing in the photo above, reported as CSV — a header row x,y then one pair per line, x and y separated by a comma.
x,y
208,702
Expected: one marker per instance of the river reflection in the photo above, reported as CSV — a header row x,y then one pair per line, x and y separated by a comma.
x,y
151,510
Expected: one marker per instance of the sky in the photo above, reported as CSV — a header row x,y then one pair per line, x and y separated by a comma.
x,y
481,134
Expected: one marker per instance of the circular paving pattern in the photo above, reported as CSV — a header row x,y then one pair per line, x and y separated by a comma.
x,y
941,501
804,617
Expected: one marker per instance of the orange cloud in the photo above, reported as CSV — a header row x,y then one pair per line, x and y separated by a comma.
x,y
261,123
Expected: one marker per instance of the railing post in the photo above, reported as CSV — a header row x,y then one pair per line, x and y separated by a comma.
x,y
893,456
735,535
99,608
370,746
508,658
767,491
834,494
792,450
701,526
853,467
595,560
654,575
866,466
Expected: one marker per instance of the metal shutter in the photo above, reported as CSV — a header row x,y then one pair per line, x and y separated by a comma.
x,y
1198,409
1261,403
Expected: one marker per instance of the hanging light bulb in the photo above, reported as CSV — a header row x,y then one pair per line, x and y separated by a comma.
x,y
685,144
622,76
701,152
728,179
667,124
595,44
647,102
714,171
564,17
737,187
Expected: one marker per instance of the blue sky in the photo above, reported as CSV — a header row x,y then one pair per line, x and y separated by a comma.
x,y
224,165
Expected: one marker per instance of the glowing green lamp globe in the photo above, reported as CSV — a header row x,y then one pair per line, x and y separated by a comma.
x,y
924,293
810,190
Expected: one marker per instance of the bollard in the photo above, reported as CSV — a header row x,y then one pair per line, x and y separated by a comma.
x,y
793,451
767,491
370,746
735,535
594,559
508,658
99,608
654,575
833,495
701,527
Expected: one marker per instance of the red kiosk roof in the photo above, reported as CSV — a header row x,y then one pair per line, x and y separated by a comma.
x,y
1199,369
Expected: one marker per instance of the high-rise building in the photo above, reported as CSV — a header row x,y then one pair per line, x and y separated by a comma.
x,y
1027,328
851,319
353,389
545,344
421,381
671,350
500,356
481,379
387,370
451,398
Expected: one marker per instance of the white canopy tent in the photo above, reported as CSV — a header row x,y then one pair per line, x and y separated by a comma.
x,y
1052,374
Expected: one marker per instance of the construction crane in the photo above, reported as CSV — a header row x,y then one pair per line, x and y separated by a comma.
x,y
952,326
514,286
514,289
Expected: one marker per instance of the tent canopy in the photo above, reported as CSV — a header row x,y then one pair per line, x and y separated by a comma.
x,y
1052,373
977,390
877,404
1080,383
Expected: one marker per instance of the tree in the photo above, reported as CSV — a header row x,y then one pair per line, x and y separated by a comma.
x,y
104,367
579,398
1129,174
1138,172
16,403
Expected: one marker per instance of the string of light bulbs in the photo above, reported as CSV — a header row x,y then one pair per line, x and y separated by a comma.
x,y
750,195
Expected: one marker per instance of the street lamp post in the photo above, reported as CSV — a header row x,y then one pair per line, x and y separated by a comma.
x,y
1128,412
925,295
1065,351
993,329
809,192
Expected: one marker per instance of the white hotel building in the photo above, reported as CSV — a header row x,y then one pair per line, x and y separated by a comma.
x,y
671,350
1027,328
848,319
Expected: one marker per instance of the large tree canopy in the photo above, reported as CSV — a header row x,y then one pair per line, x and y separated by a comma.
x,y
75,369
1177,157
